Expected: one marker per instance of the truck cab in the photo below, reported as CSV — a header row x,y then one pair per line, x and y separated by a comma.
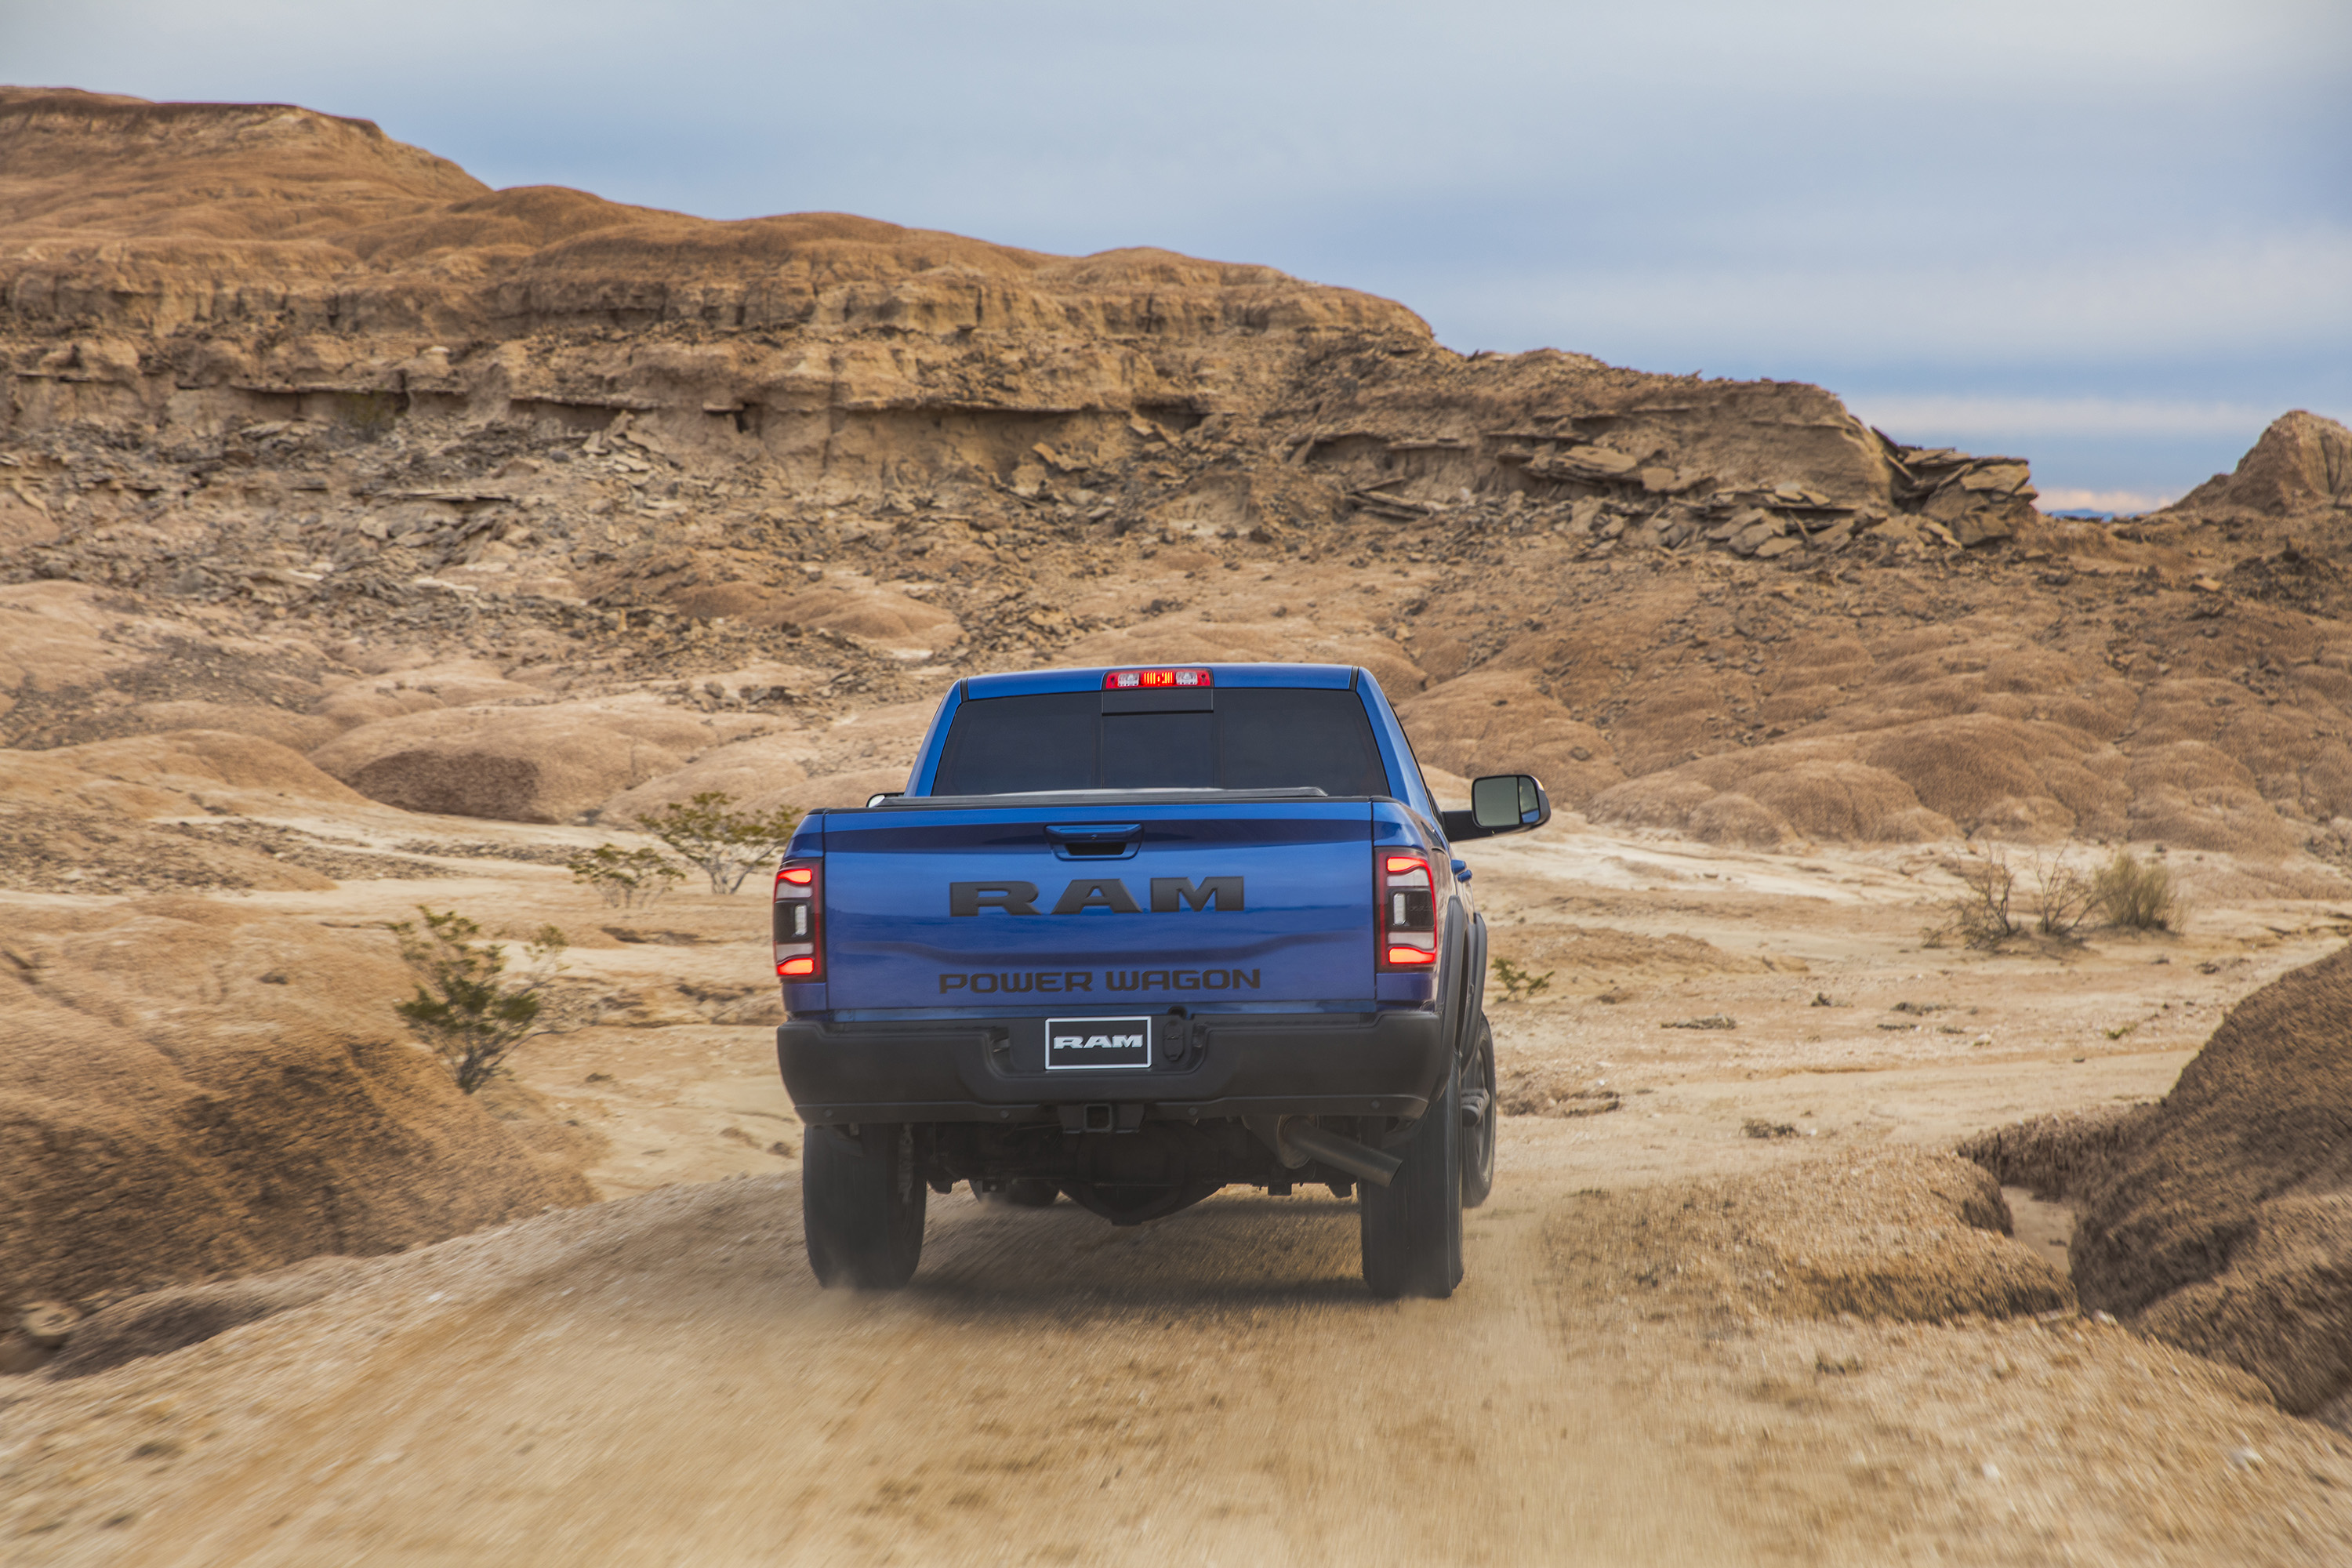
x,y
1132,935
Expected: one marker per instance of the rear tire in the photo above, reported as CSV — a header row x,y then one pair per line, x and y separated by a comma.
x,y
862,1203
1412,1228
1478,1142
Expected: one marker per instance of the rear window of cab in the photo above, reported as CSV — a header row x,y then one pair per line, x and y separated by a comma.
x,y
1255,737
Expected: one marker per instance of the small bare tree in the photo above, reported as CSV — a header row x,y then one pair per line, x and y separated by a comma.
x,y
1978,915
466,1009
2062,897
723,844
625,878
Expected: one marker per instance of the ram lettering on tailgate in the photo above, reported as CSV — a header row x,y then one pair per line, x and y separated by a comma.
x,y
1168,895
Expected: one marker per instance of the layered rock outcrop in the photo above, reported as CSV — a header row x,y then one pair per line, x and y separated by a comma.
x,y
2303,461
334,274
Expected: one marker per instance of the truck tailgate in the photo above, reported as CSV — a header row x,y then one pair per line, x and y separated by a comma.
x,y
1100,906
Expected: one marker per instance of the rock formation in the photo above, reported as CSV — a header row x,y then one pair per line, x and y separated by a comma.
x,y
338,275
2302,462
307,436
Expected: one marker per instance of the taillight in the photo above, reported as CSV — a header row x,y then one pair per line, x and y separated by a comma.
x,y
800,945
1154,679
1408,910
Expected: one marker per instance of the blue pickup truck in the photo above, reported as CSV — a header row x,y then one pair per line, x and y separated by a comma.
x,y
1133,935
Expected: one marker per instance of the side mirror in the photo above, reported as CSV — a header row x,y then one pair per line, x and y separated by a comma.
x,y
1499,803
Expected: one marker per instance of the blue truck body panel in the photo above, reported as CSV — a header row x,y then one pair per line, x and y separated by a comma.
x,y
1301,937
1246,923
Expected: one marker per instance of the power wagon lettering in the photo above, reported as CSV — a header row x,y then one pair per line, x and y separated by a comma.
x,y
1168,895
1020,982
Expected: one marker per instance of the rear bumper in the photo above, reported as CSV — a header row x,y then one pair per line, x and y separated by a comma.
x,y
966,1069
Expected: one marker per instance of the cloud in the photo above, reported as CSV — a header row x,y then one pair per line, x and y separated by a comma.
x,y
1999,418
2110,503
2280,291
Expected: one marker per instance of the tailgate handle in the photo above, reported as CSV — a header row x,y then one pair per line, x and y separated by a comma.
x,y
1096,833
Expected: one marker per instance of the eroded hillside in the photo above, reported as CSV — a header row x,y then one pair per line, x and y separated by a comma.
x,y
350,442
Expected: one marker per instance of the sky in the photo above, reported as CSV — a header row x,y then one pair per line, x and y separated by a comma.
x,y
2113,237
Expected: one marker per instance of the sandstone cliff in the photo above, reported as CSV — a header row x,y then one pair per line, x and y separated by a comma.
x,y
310,436
243,263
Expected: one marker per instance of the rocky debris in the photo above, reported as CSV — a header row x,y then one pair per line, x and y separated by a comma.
x,y
81,663
525,854
335,860
48,849
1736,710
214,771
887,617
2301,463
1971,501
1790,793
1931,500
2296,577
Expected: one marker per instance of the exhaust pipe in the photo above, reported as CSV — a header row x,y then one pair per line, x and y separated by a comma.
x,y
1360,1161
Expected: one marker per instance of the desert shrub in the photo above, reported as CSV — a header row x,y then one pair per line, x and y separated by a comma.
x,y
466,1009
1518,985
2062,897
625,878
723,844
1980,914
2139,895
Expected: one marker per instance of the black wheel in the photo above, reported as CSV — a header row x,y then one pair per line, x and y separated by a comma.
x,y
862,1201
1025,1193
1481,1106
1412,1228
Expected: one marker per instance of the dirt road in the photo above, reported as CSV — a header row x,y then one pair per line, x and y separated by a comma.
x,y
657,1379
1214,1389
